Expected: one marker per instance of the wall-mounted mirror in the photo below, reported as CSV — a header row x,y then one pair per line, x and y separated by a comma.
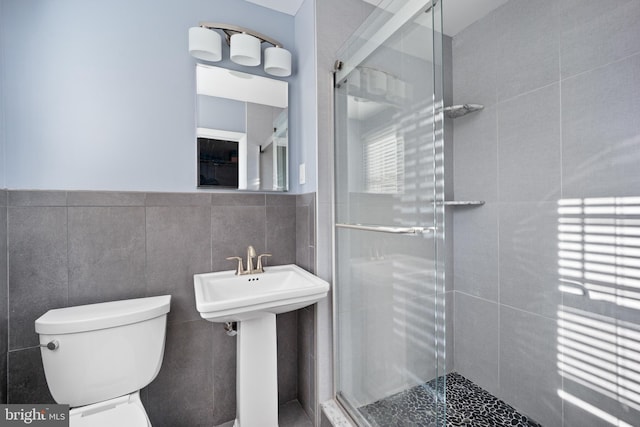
x,y
242,130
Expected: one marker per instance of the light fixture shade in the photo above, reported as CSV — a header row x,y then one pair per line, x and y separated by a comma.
x,y
245,49
277,61
205,44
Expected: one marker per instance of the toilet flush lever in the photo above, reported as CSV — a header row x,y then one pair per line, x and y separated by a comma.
x,y
51,345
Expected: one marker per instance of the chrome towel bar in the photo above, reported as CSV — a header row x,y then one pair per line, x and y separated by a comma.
x,y
462,202
387,229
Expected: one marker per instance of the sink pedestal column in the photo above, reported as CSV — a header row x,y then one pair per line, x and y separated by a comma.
x,y
257,373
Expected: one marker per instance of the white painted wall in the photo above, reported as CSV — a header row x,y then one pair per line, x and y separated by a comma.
x,y
3,183
221,113
303,126
101,95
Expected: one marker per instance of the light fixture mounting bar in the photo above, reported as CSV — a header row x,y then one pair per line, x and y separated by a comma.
x,y
229,30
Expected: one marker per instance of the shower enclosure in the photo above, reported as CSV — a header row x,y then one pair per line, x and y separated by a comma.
x,y
389,218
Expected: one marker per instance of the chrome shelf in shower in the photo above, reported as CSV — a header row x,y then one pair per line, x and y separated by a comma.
x,y
455,111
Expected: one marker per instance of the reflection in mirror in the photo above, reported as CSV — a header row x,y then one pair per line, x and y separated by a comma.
x,y
218,154
242,130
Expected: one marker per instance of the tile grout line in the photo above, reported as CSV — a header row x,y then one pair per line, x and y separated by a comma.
x,y
498,200
599,66
146,247
211,201
507,306
561,196
523,94
66,210
6,367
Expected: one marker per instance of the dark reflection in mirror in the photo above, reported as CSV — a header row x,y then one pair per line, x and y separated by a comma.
x,y
217,163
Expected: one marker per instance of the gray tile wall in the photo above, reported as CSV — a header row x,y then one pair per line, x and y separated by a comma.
x,y
305,257
70,248
559,81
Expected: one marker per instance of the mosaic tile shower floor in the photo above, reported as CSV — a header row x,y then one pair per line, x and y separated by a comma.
x,y
468,405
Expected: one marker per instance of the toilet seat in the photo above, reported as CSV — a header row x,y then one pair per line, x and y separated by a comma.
x,y
123,411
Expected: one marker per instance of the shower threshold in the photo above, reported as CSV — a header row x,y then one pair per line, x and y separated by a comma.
x,y
467,405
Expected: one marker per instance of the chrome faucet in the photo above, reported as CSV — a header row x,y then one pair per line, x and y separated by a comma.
x,y
251,254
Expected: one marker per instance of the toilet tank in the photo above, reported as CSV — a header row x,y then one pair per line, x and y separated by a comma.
x,y
104,350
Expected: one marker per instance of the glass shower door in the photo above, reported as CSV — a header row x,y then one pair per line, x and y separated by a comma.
x,y
389,287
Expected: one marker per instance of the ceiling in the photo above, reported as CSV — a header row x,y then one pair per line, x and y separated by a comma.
x,y
290,7
457,14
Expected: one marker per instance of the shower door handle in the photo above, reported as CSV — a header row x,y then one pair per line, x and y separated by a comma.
x,y
388,229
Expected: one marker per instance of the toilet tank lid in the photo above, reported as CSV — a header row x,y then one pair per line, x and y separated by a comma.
x,y
91,317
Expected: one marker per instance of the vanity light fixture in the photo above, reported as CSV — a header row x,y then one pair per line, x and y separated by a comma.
x,y
245,47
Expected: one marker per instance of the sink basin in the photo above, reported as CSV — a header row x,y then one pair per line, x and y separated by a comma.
x,y
253,301
225,297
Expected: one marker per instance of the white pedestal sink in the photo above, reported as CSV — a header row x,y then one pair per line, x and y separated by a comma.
x,y
253,301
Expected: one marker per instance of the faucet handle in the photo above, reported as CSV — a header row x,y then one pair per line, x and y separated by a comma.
x,y
259,268
240,269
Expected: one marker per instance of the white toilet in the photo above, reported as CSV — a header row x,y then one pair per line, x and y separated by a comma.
x,y
97,357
